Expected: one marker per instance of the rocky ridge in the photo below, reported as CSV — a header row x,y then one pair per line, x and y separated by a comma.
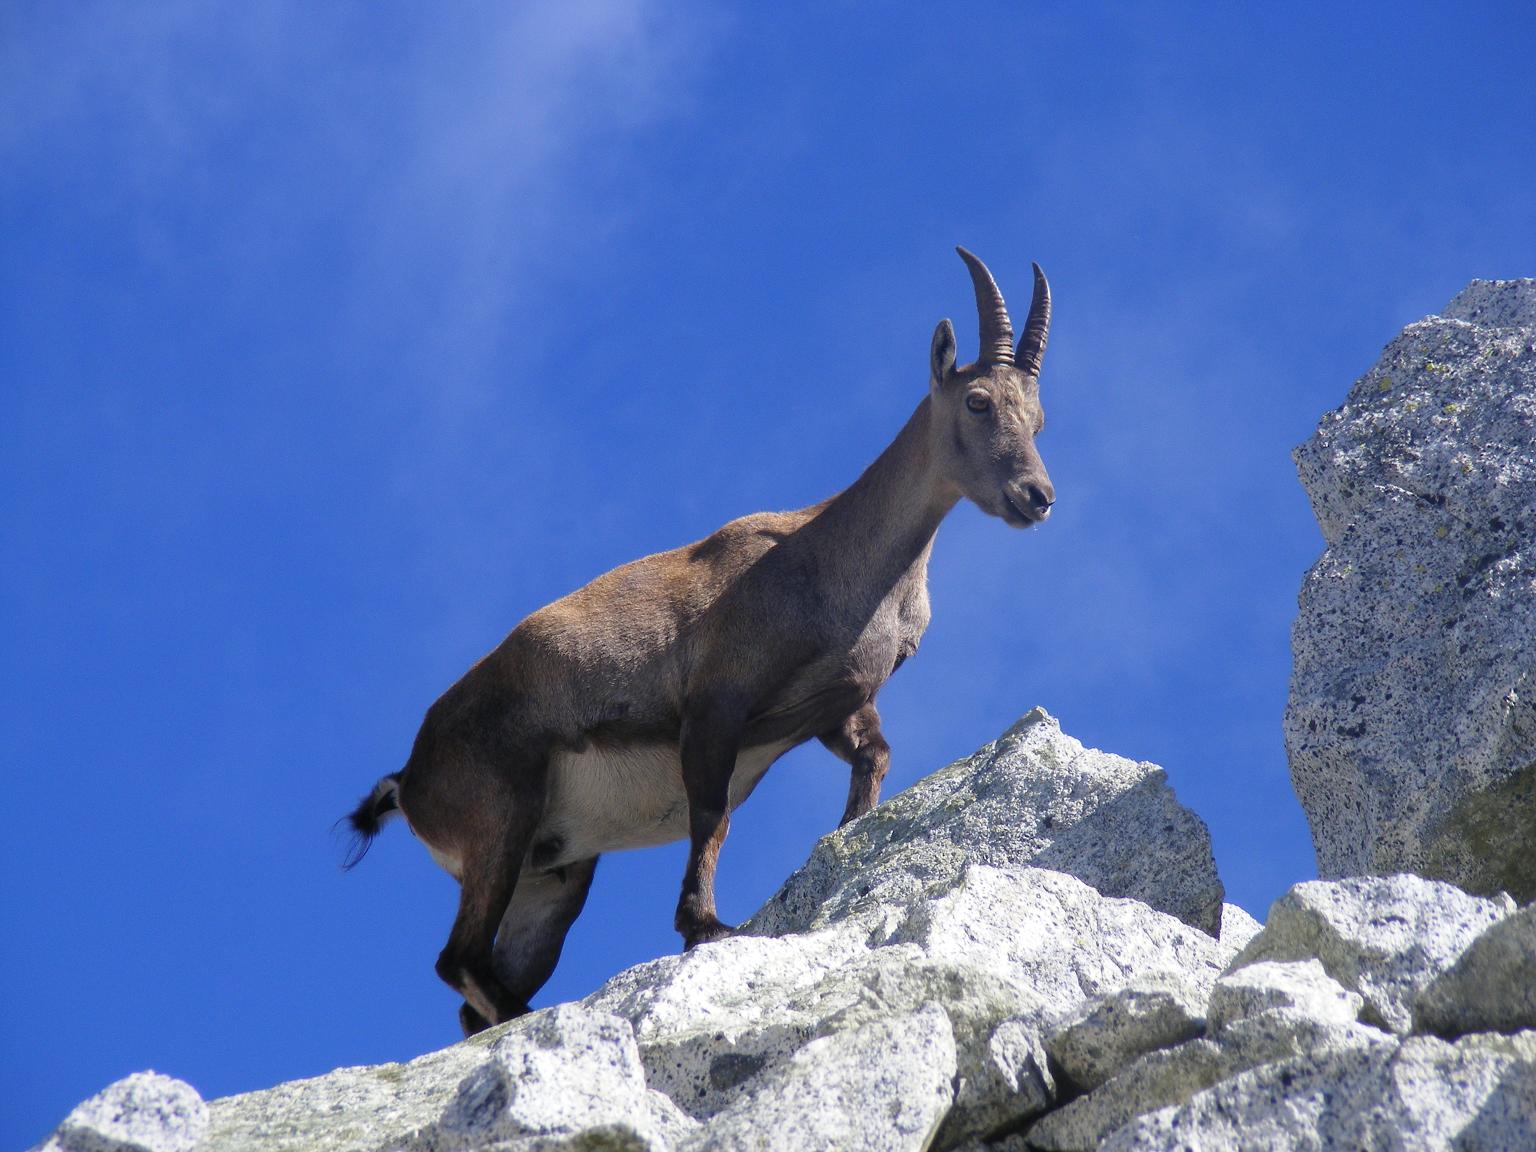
x,y
896,993
900,993
1411,726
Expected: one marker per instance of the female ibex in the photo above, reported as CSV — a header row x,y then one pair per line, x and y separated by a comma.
x,y
647,705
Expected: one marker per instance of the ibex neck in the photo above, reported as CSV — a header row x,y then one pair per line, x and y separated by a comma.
x,y
884,522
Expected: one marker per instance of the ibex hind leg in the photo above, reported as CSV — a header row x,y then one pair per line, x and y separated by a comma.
x,y
481,805
532,933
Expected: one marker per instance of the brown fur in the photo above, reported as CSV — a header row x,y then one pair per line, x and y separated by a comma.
x,y
645,705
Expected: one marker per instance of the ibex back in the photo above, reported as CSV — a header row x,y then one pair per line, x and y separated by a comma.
x,y
647,705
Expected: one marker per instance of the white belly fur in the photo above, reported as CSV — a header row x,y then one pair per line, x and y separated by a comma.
x,y
607,799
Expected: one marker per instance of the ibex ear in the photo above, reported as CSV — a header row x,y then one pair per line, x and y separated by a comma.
x,y
941,357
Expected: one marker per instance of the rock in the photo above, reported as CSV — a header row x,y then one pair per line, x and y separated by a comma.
x,y
1411,723
897,993
145,1112
1152,1011
1032,796
566,1077
1299,988
1492,988
1175,1075
885,1085
1384,937
1237,927
996,946
350,1109
1283,1044
1479,1093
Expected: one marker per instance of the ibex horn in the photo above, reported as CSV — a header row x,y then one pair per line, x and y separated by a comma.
x,y
1032,343
996,329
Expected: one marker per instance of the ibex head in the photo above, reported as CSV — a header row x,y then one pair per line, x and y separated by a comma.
x,y
987,414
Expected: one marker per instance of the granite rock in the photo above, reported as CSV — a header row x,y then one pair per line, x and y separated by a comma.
x,y
1300,988
884,1086
1156,1010
1173,1076
145,1112
1384,937
1478,1093
1411,723
1491,988
1032,796
567,1078
1002,949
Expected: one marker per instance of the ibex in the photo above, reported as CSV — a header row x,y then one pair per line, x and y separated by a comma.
x,y
647,705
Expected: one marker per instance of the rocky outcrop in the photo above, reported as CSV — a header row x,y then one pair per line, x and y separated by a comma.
x,y
145,1111
1032,796
923,984
1423,1093
1411,726
1384,937
895,994
1307,1041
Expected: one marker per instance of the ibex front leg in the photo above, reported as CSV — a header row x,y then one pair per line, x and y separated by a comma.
x,y
858,742
711,738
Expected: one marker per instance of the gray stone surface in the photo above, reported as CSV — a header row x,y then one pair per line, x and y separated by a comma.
x,y
1411,724
350,1109
884,1086
996,946
1237,927
1384,937
145,1112
1172,1076
1274,987
1479,1093
1491,988
1156,1010
1032,796
567,1077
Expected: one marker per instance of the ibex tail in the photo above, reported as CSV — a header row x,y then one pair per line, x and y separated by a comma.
x,y
369,816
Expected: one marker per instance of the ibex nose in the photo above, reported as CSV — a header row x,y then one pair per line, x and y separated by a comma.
x,y
1040,498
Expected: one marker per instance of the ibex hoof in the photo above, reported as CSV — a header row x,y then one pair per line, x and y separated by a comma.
x,y
706,933
471,1021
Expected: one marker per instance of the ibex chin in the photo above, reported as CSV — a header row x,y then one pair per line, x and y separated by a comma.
x,y
647,705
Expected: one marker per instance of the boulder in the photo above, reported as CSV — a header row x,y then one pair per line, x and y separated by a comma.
x,y
1237,927
1384,937
350,1109
1032,796
1278,988
1491,988
1173,1076
1002,949
1156,1010
833,1093
145,1112
1479,1092
1411,723
566,1078
1318,1002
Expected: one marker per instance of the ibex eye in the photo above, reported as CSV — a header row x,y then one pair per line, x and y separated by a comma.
x,y
978,402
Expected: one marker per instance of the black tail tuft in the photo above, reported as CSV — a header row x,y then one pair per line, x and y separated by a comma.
x,y
369,816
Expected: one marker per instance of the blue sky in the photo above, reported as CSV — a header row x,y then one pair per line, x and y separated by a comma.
x,y
337,338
